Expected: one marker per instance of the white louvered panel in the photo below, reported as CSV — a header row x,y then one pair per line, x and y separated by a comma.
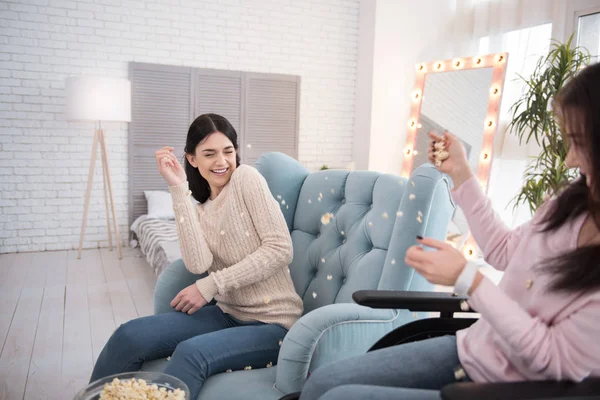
x,y
160,116
220,92
271,115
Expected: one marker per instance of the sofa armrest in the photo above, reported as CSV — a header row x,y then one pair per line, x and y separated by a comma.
x,y
588,389
408,300
328,334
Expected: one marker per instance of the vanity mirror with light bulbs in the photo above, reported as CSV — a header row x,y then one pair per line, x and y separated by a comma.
x,y
462,96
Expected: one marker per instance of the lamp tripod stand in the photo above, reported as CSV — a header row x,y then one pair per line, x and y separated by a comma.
x,y
99,140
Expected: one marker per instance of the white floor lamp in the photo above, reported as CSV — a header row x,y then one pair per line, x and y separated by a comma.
x,y
99,99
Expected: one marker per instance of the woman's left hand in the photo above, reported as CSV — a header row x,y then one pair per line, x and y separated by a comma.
x,y
441,266
189,300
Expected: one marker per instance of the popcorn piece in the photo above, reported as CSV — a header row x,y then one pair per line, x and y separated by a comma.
x,y
329,277
370,224
283,202
441,155
326,218
229,370
419,219
279,196
323,260
385,215
399,214
393,261
270,364
280,342
248,368
267,300
412,196
314,295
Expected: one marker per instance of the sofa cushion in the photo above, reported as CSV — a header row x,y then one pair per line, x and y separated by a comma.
x,y
335,256
285,177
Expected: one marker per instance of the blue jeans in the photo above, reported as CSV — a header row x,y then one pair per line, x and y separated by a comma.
x,y
205,343
412,371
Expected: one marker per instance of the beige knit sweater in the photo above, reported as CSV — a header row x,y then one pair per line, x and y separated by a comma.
x,y
244,244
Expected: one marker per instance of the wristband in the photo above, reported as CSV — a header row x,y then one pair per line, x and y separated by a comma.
x,y
465,279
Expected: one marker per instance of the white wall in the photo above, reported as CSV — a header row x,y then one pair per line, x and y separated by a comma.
x,y
44,160
406,32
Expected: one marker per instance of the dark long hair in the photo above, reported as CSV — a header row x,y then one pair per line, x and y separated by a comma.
x,y
578,106
202,127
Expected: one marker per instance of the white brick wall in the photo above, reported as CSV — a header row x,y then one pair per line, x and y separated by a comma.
x,y
44,159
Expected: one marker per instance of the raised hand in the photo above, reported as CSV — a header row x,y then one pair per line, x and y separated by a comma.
x,y
455,163
169,167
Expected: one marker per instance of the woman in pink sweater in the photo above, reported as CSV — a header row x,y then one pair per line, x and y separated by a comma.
x,y
543,321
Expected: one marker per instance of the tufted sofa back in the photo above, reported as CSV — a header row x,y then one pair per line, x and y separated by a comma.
x,y
350,230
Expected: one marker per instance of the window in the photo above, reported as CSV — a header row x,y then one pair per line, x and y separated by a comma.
x,y
588,34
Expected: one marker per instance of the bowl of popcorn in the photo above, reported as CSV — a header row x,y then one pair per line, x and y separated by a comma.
x,y
142,385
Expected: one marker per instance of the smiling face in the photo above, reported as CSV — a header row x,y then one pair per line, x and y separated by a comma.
x,y
215,158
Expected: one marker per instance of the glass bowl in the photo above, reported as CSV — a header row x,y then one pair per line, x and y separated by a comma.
x,y
93,390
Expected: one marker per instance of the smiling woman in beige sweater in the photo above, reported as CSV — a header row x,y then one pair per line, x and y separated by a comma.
x,y
236,234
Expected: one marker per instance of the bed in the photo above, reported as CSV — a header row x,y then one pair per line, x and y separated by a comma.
x,y
157,240
154,231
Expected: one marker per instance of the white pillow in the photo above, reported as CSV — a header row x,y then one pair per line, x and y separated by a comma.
x,y
160,204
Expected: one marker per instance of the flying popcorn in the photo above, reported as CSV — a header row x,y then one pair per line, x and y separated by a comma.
x,y
326,218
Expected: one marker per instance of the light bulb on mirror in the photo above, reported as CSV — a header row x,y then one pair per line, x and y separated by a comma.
x,y
477,61
416,96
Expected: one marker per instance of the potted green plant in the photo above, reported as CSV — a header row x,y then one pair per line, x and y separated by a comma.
x,y
532,118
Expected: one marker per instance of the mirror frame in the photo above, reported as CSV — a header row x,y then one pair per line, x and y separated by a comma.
x,y
498,62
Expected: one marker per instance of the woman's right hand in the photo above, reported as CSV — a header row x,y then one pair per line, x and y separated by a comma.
x,y
169,167
456,165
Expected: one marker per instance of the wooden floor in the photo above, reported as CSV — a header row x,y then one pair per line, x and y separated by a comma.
x,y
56,313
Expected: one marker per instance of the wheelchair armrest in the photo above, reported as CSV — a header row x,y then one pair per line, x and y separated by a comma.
x,y
413,301
587,389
